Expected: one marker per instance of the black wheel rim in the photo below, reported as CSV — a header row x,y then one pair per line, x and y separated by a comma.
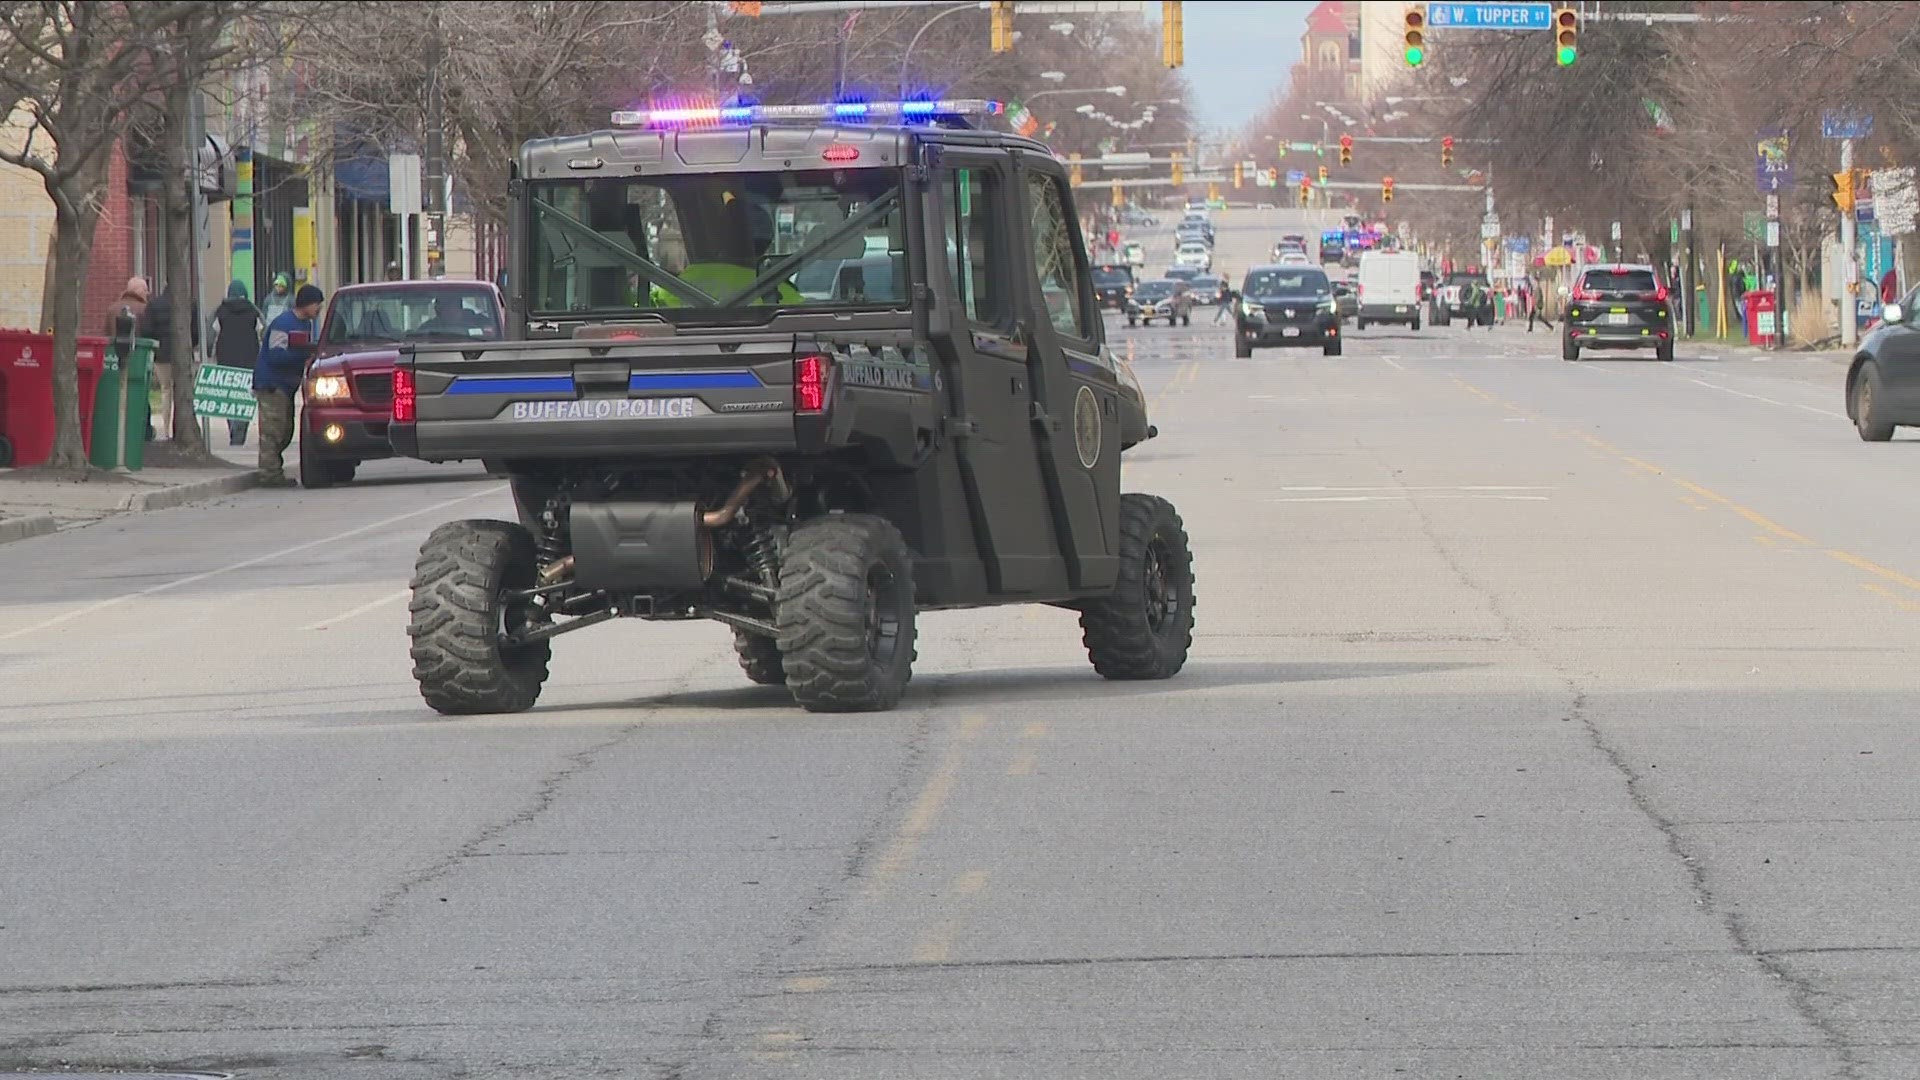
x,y
883,614
1162,586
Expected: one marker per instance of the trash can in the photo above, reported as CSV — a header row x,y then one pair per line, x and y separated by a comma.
x,y
1762,318
121,408
26,394
90,357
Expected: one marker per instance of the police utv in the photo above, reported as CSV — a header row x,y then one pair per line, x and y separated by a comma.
x,y
803,370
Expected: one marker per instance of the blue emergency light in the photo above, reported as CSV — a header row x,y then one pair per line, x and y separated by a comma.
x,y
908,112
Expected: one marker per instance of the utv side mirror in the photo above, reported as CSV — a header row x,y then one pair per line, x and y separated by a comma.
x,y
1893,313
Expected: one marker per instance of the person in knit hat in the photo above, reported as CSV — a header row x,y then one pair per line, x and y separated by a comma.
x,y
277,373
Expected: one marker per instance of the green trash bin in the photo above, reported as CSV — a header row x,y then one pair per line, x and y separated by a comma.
x,y
113,445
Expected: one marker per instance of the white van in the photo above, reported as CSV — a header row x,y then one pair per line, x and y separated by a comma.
x,y
1389,286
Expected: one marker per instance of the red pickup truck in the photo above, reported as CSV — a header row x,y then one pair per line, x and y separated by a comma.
x,y
347,400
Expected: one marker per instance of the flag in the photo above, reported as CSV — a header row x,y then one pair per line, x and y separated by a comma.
x,y
1022,120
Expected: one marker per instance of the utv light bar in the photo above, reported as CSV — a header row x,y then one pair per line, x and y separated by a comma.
x,y
904,111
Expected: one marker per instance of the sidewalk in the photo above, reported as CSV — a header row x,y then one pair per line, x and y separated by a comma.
x,y
36,502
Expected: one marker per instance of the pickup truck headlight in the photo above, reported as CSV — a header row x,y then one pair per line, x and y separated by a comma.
x,y
328,388
1329,305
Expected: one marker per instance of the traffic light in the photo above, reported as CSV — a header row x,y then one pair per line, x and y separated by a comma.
x,y
1074,170
1002,16
1179,174
1171,44
1843,191
1323,174
1119,200
1566,33
1346,149
1386,189
1236,174
1273,176
1306,192
1416,37
1446,150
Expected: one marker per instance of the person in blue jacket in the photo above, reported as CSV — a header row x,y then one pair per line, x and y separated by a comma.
x,y
276,379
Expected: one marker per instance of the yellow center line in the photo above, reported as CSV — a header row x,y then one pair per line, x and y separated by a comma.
x,y
807,984
1751,515
936,945
926,807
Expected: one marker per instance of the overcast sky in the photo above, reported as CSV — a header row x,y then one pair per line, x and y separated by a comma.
x,y
1237,53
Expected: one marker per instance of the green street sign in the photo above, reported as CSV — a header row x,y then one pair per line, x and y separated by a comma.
x,y
1303,146
224,393
1673,231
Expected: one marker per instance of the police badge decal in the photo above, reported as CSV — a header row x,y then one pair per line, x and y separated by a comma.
x,y
1089,433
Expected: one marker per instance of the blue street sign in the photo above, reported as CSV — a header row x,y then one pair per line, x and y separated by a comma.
x,y
1519,245
1491,16
1294,176
1839,125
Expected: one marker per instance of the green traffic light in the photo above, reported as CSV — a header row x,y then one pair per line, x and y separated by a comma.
x,y
1416,56
1566,56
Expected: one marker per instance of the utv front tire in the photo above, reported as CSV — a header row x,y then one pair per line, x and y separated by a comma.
x,y
845,611
459,613
759,657
1144,628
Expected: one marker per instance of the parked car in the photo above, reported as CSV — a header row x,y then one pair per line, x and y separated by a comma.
x,y
1161,298
347,400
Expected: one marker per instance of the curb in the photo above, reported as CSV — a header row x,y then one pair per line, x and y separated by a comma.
x,y
23,528
167,498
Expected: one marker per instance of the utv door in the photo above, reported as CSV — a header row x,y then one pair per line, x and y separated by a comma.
x,y
1076,391
973,269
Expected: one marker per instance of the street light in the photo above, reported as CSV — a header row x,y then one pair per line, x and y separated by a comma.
x,y
1054,76
1116,91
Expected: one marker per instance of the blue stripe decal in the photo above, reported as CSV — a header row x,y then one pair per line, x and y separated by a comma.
x,y
489,384
696,380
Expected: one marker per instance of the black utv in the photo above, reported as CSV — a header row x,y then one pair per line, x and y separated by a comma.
x,y
806,379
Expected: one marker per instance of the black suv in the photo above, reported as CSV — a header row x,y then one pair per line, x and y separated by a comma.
x,y
1286,306
1112,284
1622,306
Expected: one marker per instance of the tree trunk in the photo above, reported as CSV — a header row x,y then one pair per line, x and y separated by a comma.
x,y
177,203
72,255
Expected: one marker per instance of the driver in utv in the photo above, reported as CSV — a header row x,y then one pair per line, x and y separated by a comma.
x,y
747,235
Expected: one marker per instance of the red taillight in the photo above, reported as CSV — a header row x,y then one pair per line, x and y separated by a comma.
x,y
1583,295
403,396
810,383
841,152
1660,293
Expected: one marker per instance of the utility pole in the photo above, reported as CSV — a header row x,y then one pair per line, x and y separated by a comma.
x,y
1850,273
1692,274
434,197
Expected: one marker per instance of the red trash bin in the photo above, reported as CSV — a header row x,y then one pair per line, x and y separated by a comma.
x,y
26,398
90,355
26,393
1763,317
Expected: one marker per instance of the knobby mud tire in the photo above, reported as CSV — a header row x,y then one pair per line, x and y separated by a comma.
x,y
458,614
1131,633
845,612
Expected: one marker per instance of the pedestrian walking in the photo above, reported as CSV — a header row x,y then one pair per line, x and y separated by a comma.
x,y
1224,309
276,379
1537,307
279,298
160,316
236,342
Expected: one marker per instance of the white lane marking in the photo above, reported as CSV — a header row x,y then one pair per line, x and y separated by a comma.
x,y
1596,368
1768,400
111,601
1445,487
351,613
1403,498
1391,362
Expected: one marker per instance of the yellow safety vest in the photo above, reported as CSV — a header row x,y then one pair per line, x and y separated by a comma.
x,y
720,280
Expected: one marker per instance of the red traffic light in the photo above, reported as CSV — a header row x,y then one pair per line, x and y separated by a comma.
x,y
1346,142
1447,141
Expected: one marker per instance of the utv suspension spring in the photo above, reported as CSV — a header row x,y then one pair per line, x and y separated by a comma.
x,y
763,554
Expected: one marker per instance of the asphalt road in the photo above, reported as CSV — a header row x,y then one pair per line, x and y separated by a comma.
x,y
1544,720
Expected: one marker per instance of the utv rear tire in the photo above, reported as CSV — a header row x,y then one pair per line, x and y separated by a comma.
x,y
458,614
846,614
759,657
1144,628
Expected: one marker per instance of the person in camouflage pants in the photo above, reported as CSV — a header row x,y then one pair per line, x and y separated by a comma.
x,y
276,379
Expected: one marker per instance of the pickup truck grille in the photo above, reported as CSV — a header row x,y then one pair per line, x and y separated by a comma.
x,y
374,389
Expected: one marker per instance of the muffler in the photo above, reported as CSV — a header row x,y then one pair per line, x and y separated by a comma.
x,y
624,546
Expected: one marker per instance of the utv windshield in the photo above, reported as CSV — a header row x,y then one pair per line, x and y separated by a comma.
x,y
717,246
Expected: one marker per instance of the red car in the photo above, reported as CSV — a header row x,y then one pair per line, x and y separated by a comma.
x,y
347,400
